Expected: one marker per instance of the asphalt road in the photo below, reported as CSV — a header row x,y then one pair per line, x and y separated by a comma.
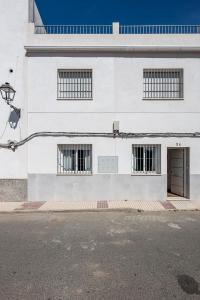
x,y
125,255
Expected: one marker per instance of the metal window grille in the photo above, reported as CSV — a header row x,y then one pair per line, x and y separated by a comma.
x,y
75,159
146,159
163,83
75,84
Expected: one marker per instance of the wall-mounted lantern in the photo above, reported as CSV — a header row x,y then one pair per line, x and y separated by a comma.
x,y
8,94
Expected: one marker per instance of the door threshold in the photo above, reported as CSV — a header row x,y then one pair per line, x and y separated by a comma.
x,y
178,198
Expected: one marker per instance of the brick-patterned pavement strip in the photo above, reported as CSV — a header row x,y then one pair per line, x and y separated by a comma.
x,y
30,205
167,205
102,204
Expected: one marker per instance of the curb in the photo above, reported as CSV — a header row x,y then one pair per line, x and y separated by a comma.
x,y
99,210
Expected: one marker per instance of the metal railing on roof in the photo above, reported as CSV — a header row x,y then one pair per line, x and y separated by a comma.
x,y
159,29
74,29
116,28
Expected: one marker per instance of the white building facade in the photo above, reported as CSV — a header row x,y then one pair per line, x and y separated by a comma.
x,y
111,112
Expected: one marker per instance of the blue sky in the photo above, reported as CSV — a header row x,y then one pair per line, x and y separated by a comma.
x,y
124,11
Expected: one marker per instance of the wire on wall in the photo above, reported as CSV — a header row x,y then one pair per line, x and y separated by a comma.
x,y
13,145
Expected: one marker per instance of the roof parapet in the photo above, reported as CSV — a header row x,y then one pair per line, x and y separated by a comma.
x,y
116,28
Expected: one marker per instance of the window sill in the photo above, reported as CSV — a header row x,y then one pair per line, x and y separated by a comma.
x,y
74,174
147,174
164,99
75,99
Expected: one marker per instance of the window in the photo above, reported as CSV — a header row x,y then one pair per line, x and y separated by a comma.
x,y
75,84
146,159
163,83
75,159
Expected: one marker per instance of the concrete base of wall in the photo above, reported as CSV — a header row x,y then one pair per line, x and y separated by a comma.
x,y
13,190
195,187
47,187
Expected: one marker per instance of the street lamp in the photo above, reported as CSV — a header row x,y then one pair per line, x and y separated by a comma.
x,y
8,94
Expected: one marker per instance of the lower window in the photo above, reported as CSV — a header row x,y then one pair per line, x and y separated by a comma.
x,y
146,159
75,159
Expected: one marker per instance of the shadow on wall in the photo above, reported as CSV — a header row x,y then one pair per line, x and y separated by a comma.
x,y
13,119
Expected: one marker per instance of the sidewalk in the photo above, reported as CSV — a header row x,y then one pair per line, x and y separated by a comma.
x,y
59,206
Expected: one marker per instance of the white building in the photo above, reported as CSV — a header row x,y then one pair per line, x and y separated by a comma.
x,y
73,84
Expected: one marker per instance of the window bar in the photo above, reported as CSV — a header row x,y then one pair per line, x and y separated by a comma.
x,y
75,159
74,84
146,159
156,159
163,83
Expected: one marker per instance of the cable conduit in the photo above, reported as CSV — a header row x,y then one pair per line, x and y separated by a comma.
x,y
13,145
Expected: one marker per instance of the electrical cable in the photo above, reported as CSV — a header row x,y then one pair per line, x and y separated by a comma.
x,y
4,130
13,145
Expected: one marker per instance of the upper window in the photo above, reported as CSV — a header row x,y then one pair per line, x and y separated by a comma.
x,y
75,159
146,159
163,84
74,84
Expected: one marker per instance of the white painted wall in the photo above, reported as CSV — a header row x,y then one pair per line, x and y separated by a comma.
x,y
14,17
117,84
13,24
118,87
43,152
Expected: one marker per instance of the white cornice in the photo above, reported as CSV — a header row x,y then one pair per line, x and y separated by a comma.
x,y
112,49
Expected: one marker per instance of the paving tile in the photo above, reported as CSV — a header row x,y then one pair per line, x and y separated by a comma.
x,y
65,205
141,205
118,204
184,205
9,206
149,205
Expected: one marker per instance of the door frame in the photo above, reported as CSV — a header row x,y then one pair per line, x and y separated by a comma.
x,y
186,187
